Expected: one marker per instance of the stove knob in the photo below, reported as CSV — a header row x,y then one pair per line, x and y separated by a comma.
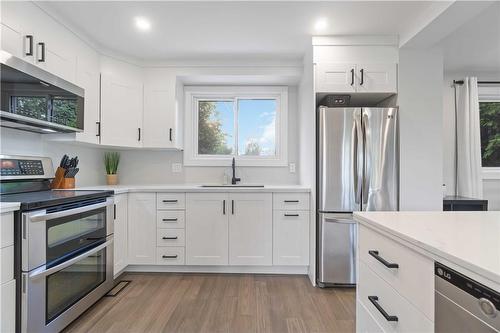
x,y
487,307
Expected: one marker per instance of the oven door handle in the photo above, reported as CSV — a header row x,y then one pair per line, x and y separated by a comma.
x,y
42,216
43,271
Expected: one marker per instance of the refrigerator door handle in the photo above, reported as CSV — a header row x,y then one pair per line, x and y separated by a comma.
x,y
357,158
339,220
354,158
367,158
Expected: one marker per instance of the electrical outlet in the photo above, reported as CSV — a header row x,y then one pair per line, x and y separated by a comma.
x,y
292,167
176,167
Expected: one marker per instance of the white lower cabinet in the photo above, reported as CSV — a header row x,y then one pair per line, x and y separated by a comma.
x,y
365,323
291,238
120,233
8,307
206,229
251,229
142,228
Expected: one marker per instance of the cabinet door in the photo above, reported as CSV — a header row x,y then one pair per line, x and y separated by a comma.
x,y
142,228
120,233
206,229
121,111
291,238
250,229
159,117
8,306
377,78
332,78
87,77
12,41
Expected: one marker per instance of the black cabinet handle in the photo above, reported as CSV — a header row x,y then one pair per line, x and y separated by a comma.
x,y
30,48
387,264
388,317
169,220
98,123
362,71
42,45
170,134
170,237
169,257
170,201
352,76
291,215
291,201
223,207
232,207
139,130
114,211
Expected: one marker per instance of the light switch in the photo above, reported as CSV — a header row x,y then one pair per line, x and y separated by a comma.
x,y
176,167
292,167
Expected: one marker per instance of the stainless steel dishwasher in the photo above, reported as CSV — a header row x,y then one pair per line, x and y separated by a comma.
x,y
464,305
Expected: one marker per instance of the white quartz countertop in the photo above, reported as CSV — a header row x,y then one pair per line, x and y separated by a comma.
x,y
468,239
6,207
195,188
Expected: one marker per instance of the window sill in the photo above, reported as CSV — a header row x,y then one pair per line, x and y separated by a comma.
x,y
226,162
491,173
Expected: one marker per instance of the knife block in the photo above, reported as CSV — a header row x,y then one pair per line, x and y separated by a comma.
x,y
60,182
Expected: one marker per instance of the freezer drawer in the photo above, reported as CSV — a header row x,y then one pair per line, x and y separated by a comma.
x,y
337,250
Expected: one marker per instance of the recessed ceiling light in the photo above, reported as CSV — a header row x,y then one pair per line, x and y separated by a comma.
x,y
321,25
142,23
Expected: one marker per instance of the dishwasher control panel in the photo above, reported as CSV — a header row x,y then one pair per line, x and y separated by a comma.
x,y
468,285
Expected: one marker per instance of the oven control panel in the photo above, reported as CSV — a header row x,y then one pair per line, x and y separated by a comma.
x,y
14,167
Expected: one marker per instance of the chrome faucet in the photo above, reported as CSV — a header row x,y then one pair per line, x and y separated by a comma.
x,y
234,180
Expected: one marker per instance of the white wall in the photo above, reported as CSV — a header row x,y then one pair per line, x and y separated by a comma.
x,y
420,103
491,187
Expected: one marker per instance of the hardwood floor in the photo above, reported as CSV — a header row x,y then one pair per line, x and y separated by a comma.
x,y
190,303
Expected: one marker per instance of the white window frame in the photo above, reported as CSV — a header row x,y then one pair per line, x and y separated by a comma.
x,y
490,94
193,94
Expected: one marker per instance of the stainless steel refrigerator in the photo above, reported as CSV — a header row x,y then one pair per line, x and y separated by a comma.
x,y
358,170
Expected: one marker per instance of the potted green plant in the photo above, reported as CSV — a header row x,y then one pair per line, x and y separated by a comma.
x,y
111,161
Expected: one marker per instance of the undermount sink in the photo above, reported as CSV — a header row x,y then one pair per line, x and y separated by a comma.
x,y
230,185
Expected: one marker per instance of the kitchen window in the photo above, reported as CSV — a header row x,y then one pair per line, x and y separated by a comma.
x,y
247,123
489,113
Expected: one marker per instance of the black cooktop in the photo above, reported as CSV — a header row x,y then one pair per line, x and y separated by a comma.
x,y
48,198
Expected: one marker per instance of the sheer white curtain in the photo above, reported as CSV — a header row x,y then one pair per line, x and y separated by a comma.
x,y
468,178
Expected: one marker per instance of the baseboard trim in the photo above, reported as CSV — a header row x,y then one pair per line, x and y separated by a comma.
x,y
297,270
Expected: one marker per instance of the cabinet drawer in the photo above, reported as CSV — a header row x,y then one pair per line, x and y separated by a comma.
x,y
414,278
171,201
6,229
170,237
410,319
8,306
6,264
170,255
170,219
291,201
365,323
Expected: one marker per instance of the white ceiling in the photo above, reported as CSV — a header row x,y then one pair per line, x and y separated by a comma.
x,y
228,30
475,46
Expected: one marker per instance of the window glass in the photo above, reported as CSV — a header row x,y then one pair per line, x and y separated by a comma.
x,y
490,133
215,127
30,106
257,127
64,111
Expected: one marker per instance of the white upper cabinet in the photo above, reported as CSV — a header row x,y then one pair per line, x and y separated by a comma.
x,y
12,40
377,78
251,229
160,110
121,104
207,228
335,77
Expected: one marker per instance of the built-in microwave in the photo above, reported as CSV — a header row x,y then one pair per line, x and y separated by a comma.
x,y
35,100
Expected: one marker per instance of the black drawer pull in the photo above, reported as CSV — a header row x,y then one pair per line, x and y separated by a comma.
x,y
169,220
388,317
387,264
169,257
291,201
170,237
170,201
287,215
29,52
